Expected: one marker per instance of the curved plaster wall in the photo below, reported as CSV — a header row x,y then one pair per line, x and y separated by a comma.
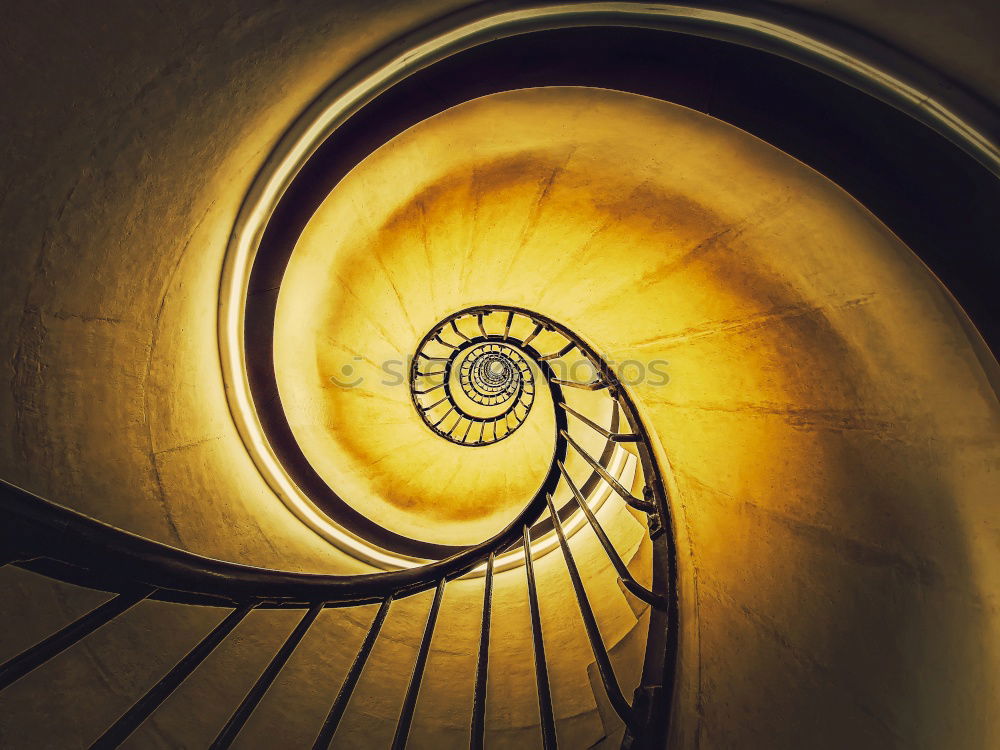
x,y
831,420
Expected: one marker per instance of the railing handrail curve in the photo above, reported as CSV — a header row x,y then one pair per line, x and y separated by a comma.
x,y
71,546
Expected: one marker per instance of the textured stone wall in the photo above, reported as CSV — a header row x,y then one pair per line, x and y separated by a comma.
x,y
831,426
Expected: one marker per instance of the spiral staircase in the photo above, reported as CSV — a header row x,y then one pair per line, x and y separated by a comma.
x,y
474,390
511,375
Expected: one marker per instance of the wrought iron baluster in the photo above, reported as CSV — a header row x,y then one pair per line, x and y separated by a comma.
x,y
270,673
446,415
546,717
428,390
454,327
562,352
628,581
531,336
329,728
479,698
643,505
611,686
118,732
412,691
615,437
29,660
437,337
595,385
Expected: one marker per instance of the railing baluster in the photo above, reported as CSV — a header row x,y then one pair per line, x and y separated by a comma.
x,y
611,686
531,336
25,662
637,589
410,700
596,385
562,352
428,390
546,718
154,697
437,337
643,505
468,428
268,676
479,698
329,728
455,329
615,437
446,415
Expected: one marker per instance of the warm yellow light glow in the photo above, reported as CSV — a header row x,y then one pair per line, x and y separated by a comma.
x,y
250,426
339,103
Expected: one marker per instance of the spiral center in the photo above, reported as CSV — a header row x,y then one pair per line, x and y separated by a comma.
x,y
471,386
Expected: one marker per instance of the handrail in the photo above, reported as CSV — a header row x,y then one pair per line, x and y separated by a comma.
x,y
94,553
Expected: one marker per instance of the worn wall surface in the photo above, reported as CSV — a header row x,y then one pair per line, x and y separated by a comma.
x,y
830,423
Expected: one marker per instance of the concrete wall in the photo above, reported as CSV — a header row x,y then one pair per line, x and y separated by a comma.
x,y
831,426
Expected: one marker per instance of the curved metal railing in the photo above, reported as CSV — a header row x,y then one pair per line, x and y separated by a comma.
x,y
60,543
470,387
